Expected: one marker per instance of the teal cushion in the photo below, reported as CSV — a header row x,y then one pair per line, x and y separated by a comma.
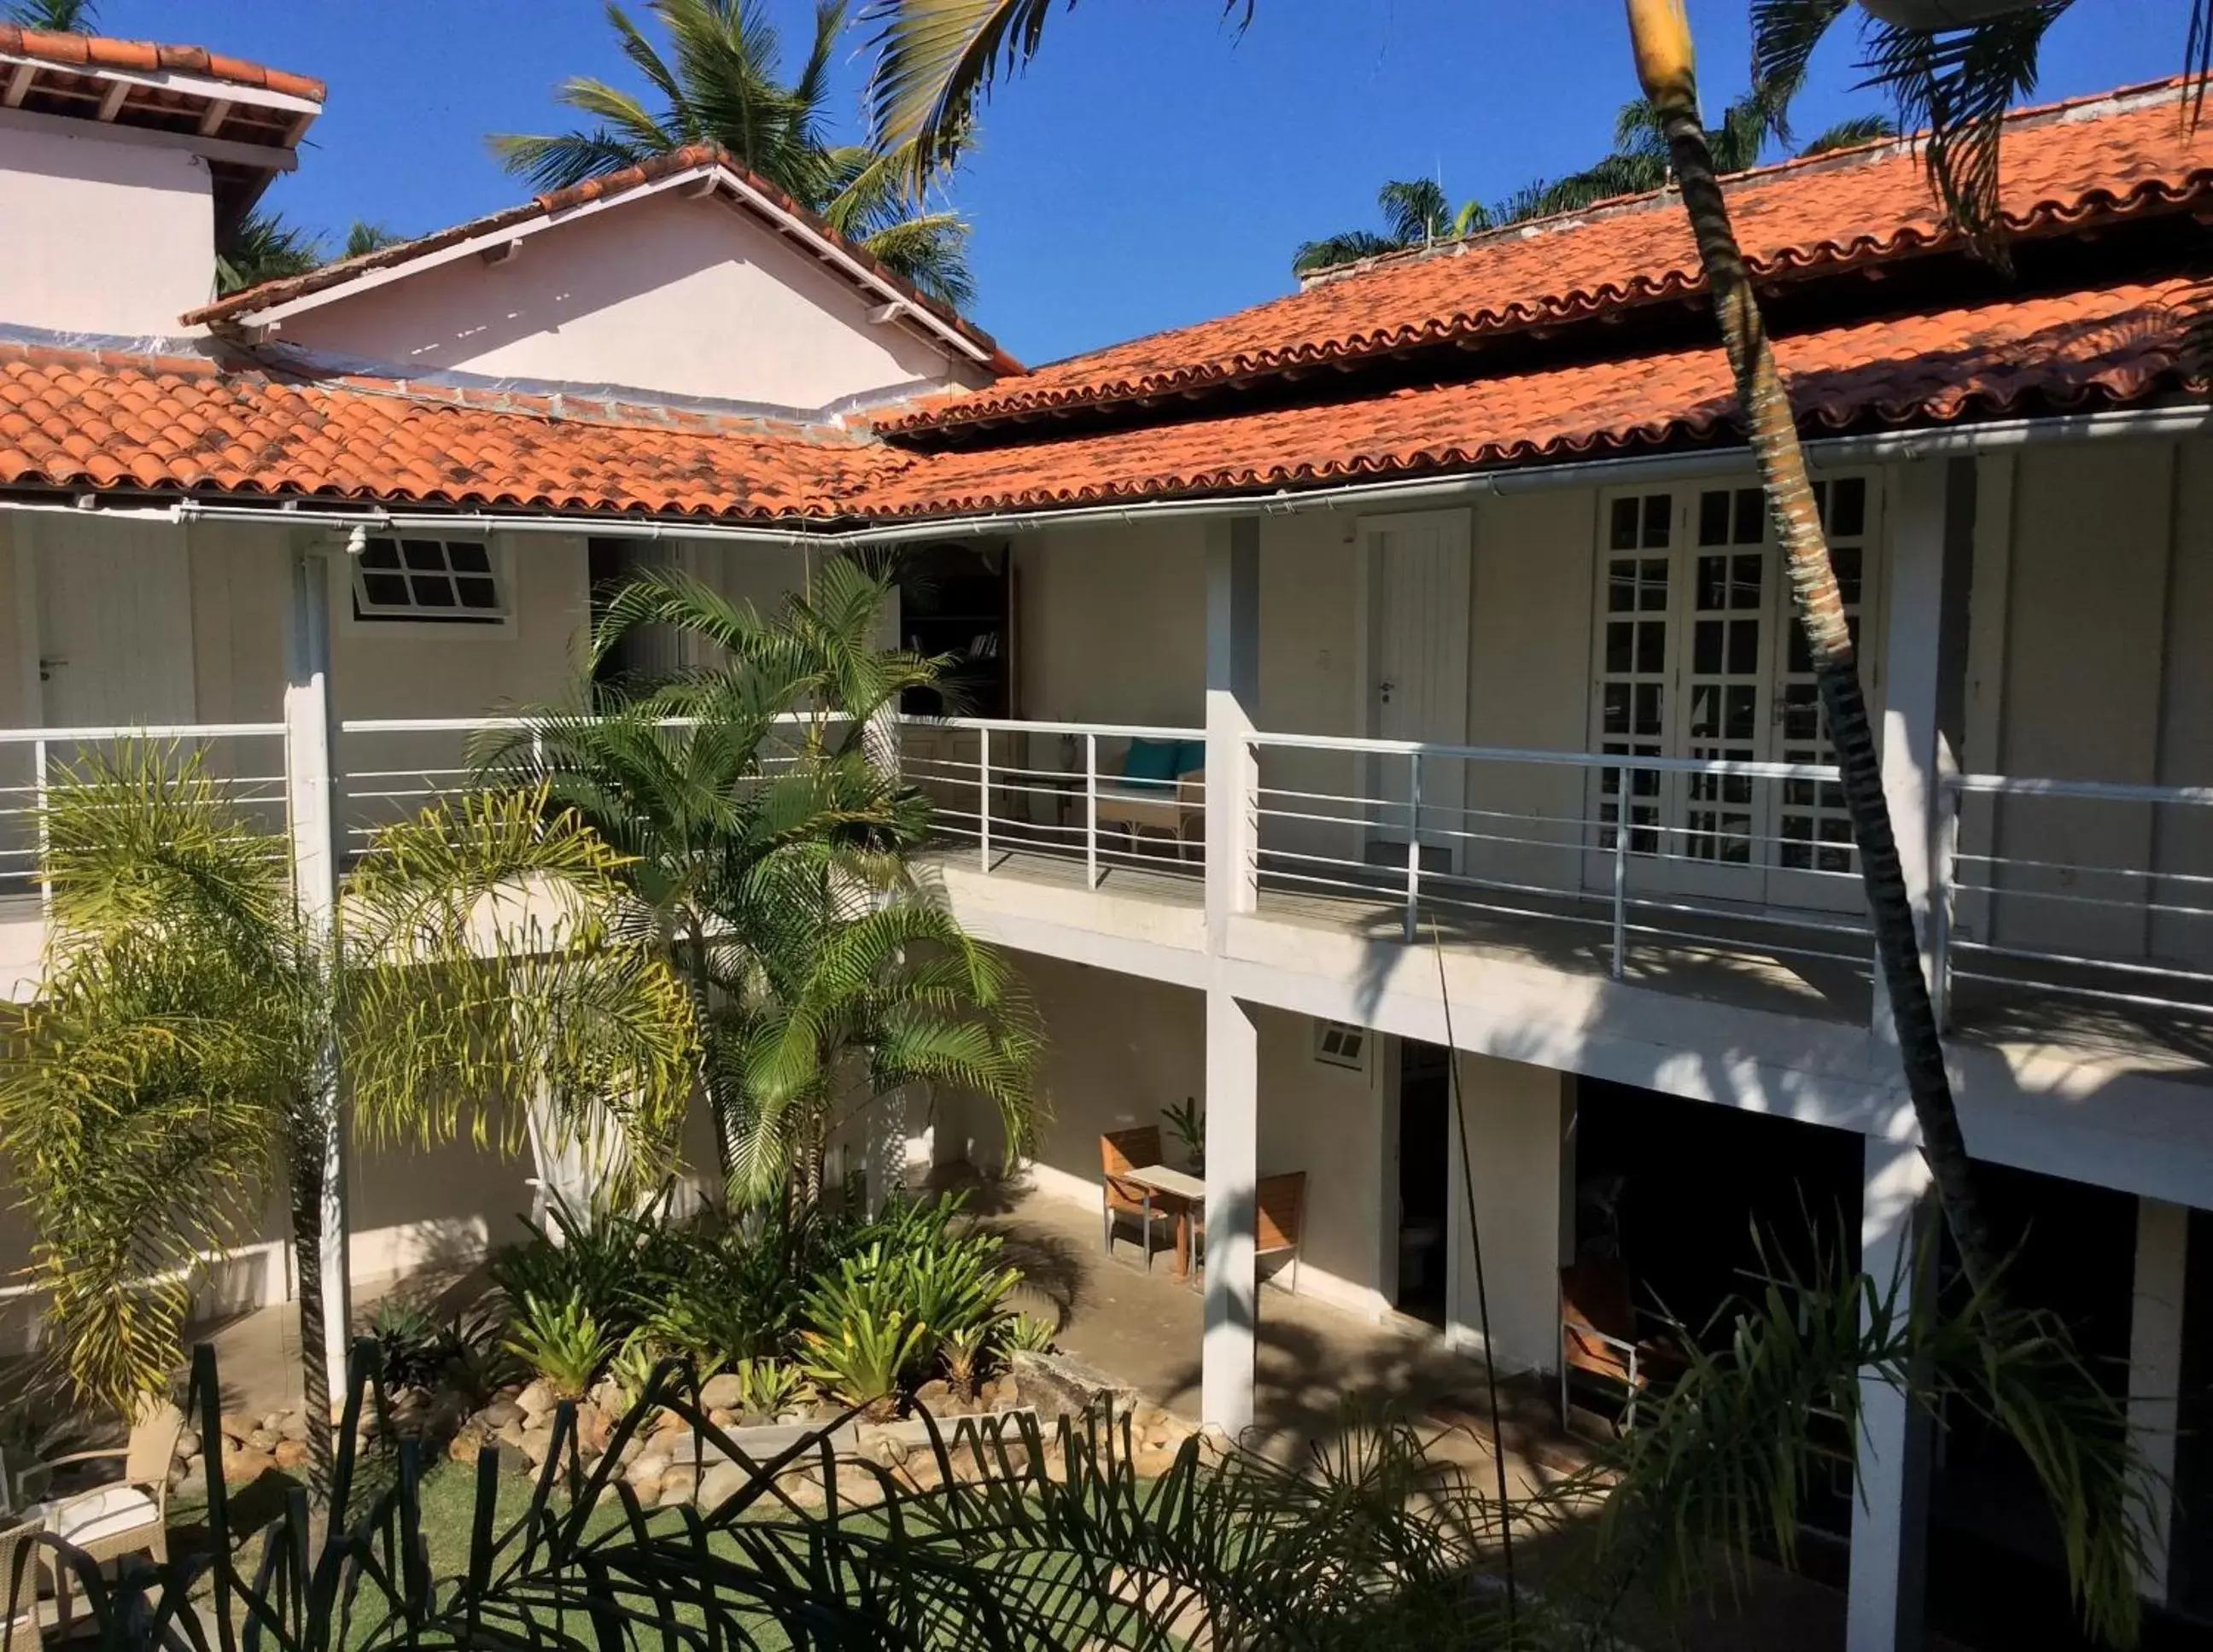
x,y
1191,754
1151,762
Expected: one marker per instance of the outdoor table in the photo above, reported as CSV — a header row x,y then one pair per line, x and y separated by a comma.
x,y
1189,1192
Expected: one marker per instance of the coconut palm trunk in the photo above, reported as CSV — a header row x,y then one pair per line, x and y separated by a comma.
x,y
1666,65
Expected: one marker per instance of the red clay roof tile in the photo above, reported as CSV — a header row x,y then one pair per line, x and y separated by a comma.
x,y
246,431
2106,345
95,52
2120,154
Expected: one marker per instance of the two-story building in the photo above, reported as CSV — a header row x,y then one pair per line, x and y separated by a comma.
x,y
1446,580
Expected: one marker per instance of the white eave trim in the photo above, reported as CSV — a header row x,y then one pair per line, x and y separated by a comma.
x,y
502,241
196,86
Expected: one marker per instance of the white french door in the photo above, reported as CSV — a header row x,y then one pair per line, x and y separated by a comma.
x,y
1697,654
1416,570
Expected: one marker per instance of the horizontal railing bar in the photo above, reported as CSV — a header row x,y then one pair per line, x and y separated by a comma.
x,y
2120,965
146,731
1032,726
1568,759
2112,791
2142,1001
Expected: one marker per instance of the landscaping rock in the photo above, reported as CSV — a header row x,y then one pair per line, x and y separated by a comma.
x,y
882,1447
721,1391
261,1439
802,1486
536,1401
497,1414
726,1419
595,1428
1060,1387
235,1427
647,1492
511,1433
681,1445
1006,1393
538,1442
188,1444
668,1422
190,1481
935,1397
291,1454
466,1446
242,1465
721,1483
274,1422
292,1426
648,1469
858,1486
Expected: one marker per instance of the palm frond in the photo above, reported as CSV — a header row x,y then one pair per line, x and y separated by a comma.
x,y
563,160
1959,83
1850,133
1785,34
929,250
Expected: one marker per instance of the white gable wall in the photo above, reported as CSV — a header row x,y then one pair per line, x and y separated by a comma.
x,y
685,296
103,234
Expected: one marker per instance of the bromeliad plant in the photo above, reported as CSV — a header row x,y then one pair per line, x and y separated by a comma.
x,y
562,1341
183,1056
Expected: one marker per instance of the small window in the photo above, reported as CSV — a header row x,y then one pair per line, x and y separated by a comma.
x,y
1341,1044
437,582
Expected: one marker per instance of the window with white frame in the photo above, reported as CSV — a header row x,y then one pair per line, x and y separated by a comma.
x,y
434,581
1340,1043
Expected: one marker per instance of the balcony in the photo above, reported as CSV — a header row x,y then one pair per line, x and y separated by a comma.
x,y
2070,920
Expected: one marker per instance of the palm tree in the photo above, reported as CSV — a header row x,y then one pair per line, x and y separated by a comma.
x,y
937,58
56,17
725,87
1416,213
364,238
178,1060
766,852
262,247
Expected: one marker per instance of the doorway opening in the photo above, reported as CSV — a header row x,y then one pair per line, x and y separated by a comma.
x,y
1425,1171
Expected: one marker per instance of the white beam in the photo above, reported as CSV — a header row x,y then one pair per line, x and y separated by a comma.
x,y
216,114
1883,1609
308,725
19,84
2155,1373
1233,708
1232,1125
111,104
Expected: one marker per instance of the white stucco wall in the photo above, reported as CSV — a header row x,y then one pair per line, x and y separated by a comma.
x,y
104,235
1518,1136
689,297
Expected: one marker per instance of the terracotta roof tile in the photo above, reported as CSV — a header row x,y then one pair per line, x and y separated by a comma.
x,y
66,420
97,51
2120,154
2104,345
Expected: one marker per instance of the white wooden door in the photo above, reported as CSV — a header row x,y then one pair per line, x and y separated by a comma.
x,y
1419,595
115,623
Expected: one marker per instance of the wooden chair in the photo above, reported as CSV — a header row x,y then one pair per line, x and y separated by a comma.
x,y
124,1516
19,1607
1599,1340
1279,1209
1121,1151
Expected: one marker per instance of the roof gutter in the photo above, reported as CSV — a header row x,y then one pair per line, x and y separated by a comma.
x,y
1404,493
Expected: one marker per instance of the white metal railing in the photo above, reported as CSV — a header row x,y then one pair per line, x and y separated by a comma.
x,y
2097,892
993,785
1632,847
243,761
2100,893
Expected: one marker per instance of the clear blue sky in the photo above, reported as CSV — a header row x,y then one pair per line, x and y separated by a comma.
x,y
1155,166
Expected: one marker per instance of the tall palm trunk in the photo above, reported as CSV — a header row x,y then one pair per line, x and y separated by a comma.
x,y
303,1150
1665,64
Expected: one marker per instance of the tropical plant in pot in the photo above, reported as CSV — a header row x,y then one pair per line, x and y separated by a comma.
x,y
1187,1124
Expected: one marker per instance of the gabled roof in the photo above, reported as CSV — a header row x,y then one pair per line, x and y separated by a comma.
x,y
702,162
244,121
2116,155
95,52
187,424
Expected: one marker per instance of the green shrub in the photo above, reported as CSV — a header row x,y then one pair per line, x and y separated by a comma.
x,y
1023,1333
963,1354
561,1340
864,1339
413,1348
768,1387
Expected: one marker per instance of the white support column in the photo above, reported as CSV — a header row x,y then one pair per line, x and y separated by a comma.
x,y
1233,700
309,724
1913,688
1890,1509
2155,1371
1232,1121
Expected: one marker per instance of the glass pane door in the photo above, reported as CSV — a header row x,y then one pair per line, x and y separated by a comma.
x,y
1726,679
1635,660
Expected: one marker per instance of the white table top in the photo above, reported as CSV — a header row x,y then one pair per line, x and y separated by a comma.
x,y
1160,1178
